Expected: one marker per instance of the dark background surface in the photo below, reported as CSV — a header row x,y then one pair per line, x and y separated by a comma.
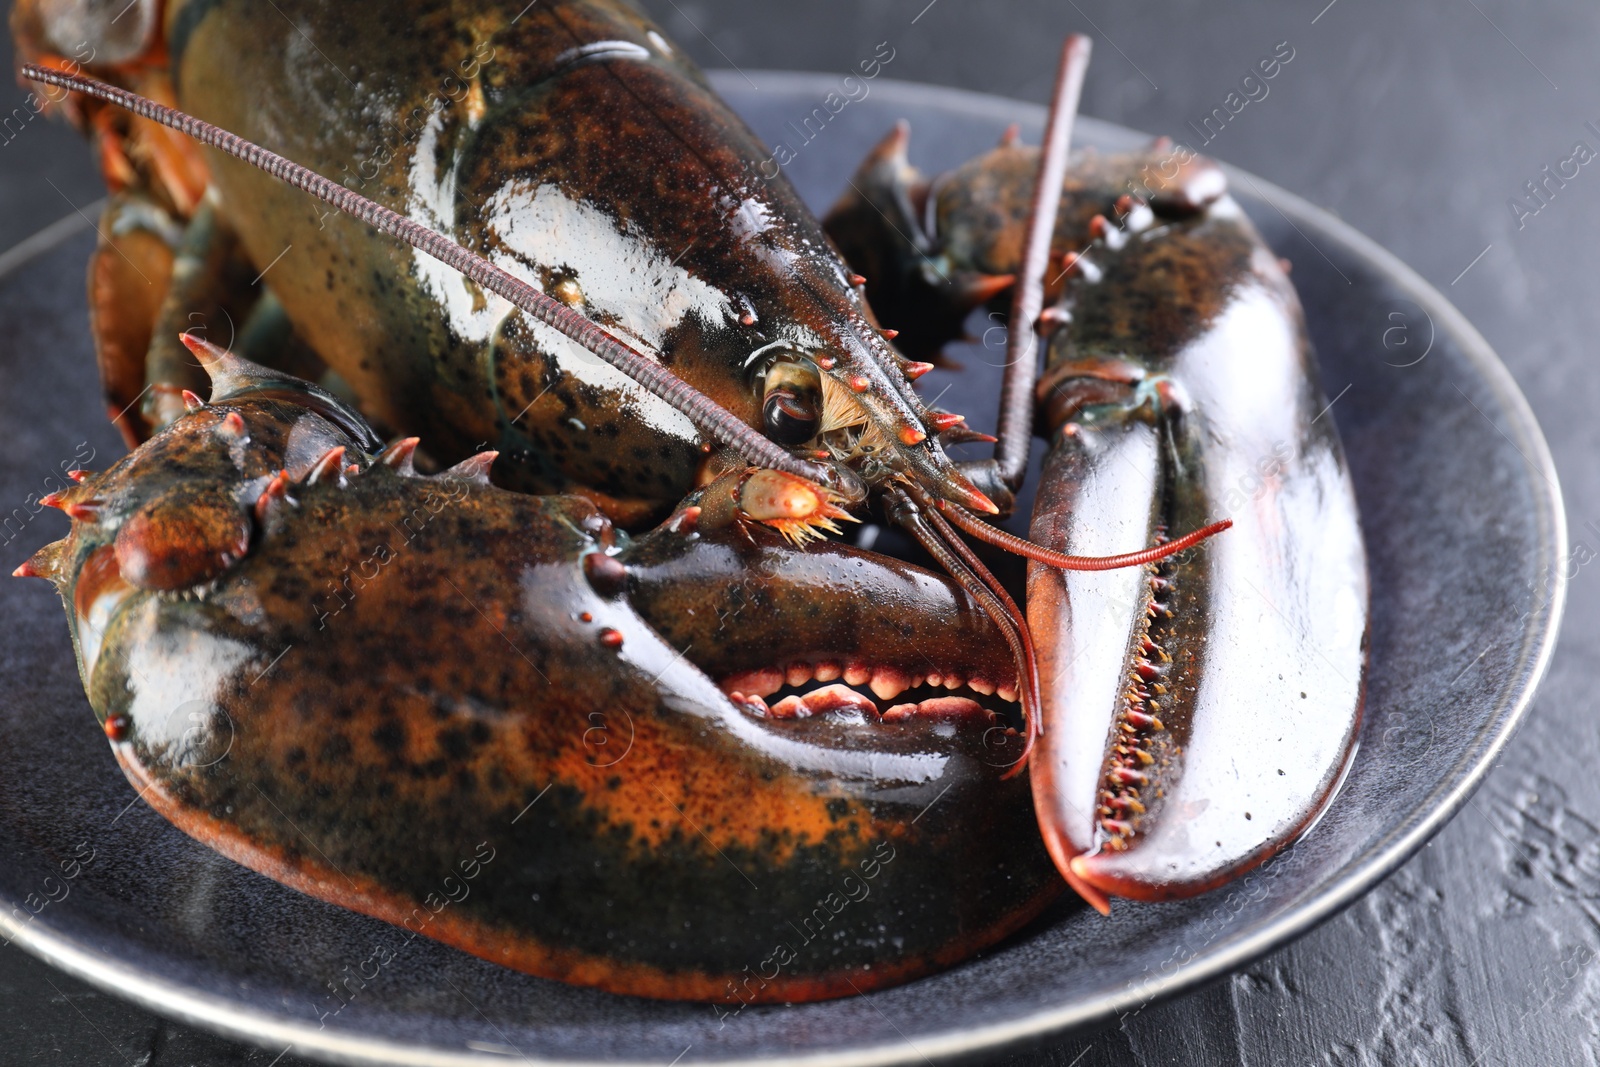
x,y
1413,121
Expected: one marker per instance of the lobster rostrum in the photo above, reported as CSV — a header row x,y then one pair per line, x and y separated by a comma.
x,y
754,378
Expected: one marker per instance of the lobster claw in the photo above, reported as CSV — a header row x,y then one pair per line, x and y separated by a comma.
x,y
586,711
1198,712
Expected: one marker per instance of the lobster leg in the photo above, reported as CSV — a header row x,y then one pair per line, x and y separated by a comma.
x,y
153,278
209,292
128,276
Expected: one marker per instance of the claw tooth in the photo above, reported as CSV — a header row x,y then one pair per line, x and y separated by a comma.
x,y
944,420
915,370
951,681
938,708
791,707
887,683
981,685
277,491
750,702
79,475
934,679
331,465
475,468
857,674
232,425
192,402
84,510
828,671
53,500
45,563
1129,776
399,455
1007,692
798,674
952,708
761,683
838,698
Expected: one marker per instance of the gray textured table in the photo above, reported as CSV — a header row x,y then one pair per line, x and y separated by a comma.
x,y
1416,122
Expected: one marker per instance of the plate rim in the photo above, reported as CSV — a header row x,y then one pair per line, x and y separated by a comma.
x,y
195,1007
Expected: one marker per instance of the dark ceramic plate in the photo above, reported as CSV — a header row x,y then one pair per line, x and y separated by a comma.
x,y
1448,464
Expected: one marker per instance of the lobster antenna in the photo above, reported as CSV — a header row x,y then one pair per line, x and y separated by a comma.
x,y
974,578
1015,425
1012,543
709,417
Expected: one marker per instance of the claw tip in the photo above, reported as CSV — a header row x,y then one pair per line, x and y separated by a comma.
x,y
1078,874
197,344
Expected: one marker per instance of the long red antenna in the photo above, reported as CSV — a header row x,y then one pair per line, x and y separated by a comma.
x,y
1012,543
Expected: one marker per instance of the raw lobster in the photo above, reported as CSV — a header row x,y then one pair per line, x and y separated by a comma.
x,y
749,848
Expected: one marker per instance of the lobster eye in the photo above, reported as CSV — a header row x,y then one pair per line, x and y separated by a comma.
x,y
791,405
788,420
